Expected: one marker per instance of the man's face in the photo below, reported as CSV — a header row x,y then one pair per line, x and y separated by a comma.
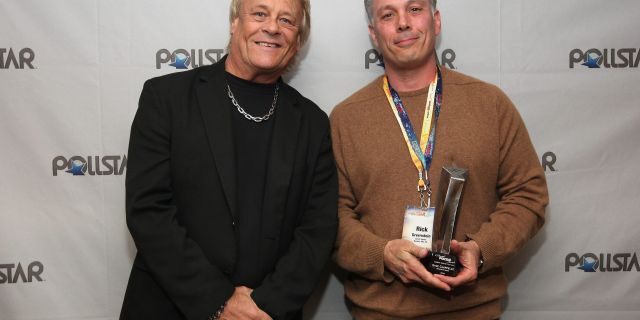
x,y
264,37
404,31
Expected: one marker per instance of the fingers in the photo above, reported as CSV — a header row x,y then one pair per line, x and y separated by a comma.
x,y
401,257
417,252
464,277
455,247
241,306
413,271
401,249
468,255
431,280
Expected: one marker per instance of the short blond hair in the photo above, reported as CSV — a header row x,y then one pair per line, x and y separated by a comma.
x,y
305,26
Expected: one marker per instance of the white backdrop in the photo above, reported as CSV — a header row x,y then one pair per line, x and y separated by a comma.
x,y
71,72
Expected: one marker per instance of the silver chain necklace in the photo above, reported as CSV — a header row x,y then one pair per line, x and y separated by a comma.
x,y
247,115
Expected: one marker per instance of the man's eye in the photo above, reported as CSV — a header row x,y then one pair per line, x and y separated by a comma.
x,y
415,9
386,16
286,21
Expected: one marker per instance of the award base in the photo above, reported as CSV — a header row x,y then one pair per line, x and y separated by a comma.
x,y
442,263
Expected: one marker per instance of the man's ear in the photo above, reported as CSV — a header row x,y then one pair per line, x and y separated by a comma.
x,y
234,25
437,22
372,35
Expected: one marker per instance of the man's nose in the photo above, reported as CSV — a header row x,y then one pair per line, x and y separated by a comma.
x,y
403,22
271,26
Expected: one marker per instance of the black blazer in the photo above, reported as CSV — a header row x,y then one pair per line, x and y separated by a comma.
x,y
181,200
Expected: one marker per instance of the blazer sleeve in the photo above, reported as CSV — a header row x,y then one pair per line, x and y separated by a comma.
x,y
174,260
291,283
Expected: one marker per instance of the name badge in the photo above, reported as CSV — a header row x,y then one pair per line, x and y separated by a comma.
x,y
418,225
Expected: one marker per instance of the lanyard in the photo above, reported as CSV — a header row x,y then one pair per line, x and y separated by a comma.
x,y
422,160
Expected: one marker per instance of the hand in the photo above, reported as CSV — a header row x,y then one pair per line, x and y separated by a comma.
x,y
468,253
401,257
241,306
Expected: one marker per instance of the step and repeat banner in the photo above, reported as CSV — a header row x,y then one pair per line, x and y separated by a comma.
x,y
71,72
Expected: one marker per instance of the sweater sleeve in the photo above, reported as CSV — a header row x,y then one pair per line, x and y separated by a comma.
x,y
358,250
521,189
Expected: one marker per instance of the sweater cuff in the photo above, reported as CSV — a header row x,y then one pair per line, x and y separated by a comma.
x,y
376,259
488,251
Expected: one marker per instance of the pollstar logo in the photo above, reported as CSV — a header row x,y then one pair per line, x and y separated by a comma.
x,y
12,273
372,56
18,59
92,165
185,59
549,160
604,262
606,58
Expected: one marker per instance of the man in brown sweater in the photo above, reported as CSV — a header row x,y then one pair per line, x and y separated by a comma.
x,y
478,128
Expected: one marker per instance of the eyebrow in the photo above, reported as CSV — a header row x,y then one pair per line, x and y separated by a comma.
x,y
260,6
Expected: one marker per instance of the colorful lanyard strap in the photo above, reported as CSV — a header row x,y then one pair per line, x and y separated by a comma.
x,y
422,160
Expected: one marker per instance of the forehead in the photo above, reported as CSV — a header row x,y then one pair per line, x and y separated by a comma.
x,y
288,6
381,4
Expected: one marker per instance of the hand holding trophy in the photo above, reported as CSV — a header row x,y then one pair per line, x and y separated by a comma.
x,y
440,260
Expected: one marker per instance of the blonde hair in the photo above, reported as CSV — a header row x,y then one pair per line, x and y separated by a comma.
x,y
305,26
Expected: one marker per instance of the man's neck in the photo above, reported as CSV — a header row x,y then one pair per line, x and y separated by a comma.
x,y
411,79
243,72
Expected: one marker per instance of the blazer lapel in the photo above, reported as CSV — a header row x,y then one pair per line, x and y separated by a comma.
x,y
216,114
281,159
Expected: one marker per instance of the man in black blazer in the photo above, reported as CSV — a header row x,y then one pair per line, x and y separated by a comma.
x,y
231,187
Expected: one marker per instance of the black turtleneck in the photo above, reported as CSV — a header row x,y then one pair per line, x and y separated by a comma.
x,y
252,141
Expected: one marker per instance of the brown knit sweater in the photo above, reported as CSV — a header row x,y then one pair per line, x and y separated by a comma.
x,y
503,205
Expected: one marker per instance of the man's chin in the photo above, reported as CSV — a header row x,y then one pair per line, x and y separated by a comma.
x,y
273,67
270,69
404,62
